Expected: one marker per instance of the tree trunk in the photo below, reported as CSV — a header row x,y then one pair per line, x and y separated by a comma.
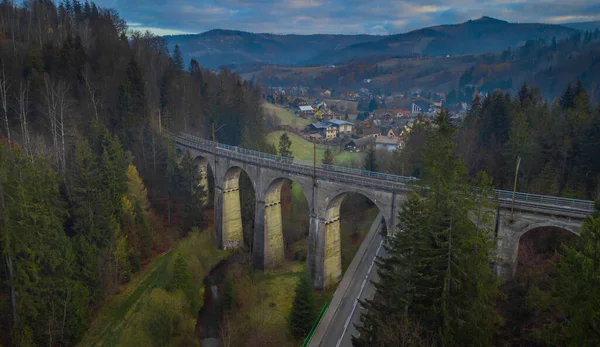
x,y
13,298
4,86
23,111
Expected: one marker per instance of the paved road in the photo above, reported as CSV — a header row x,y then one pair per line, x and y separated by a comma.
x,y
341,327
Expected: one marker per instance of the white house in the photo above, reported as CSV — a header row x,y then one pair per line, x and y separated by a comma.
x,y
420,106
306,109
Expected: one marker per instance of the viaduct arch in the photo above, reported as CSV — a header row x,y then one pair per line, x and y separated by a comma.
x,y
325,188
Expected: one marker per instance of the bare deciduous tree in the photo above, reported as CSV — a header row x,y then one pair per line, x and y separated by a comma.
x,y
93,92
23,102
55,97
4,87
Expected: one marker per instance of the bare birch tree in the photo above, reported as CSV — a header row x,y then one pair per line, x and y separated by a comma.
x,y
4,88
55,98
23,105
93,93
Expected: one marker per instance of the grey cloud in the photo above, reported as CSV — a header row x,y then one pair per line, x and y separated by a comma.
x,y
340,16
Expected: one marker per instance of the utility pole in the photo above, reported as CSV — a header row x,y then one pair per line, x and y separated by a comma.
x,y
214,140
314,162
512,209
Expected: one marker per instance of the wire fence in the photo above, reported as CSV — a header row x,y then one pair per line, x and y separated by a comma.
x,y
370,178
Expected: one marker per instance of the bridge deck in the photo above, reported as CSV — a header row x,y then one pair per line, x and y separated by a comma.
x,y
377,180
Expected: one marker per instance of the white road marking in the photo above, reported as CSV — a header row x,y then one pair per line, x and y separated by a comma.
x,y
362,286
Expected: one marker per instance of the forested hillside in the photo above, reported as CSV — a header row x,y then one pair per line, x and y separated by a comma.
x,y
558,142
546,63
216,48
90,189
474,36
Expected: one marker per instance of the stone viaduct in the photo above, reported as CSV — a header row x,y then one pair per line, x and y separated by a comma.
x,y
325,188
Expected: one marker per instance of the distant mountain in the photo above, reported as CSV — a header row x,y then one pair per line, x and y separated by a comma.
x,y
474,36
215,48
584,26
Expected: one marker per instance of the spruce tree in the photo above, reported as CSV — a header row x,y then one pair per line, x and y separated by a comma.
x,y
371,159
576,294
437,274
192,193
303,313
285,145
328,157
178,58
131,107
37,255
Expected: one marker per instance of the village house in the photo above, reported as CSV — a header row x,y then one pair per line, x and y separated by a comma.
x,y
400,113
359,145
343,127
321,105
331,128
326,130
363,130
389,143
300,102
305,109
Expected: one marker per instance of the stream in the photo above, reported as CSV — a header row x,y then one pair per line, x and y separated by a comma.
x,y
209,316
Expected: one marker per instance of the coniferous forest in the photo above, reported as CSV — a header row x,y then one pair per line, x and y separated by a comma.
x,y
90,189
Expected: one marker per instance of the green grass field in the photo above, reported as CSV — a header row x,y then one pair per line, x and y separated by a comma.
x,y
303,150
286,117
344,158
112,318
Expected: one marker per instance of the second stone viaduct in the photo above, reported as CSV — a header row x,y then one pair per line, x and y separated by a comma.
x,y
325,188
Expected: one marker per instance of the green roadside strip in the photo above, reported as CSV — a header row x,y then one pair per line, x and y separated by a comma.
x,y
312,330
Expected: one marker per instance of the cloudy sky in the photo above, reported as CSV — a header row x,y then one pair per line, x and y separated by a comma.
x,y
338,16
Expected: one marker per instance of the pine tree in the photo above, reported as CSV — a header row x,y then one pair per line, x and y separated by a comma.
x,y
285,145
371,159
328,157
131,106
178,58
437,275
372,105
397,283
36,253
192,193
567,99
303,313
575,293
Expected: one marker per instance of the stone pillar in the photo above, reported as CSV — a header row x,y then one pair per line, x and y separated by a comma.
x,y
325,258
268,229
314,258
232,232
258,242
507,247
332,262
218,215
204,183
273,233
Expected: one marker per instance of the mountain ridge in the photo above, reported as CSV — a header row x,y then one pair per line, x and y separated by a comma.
x,y
218,47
